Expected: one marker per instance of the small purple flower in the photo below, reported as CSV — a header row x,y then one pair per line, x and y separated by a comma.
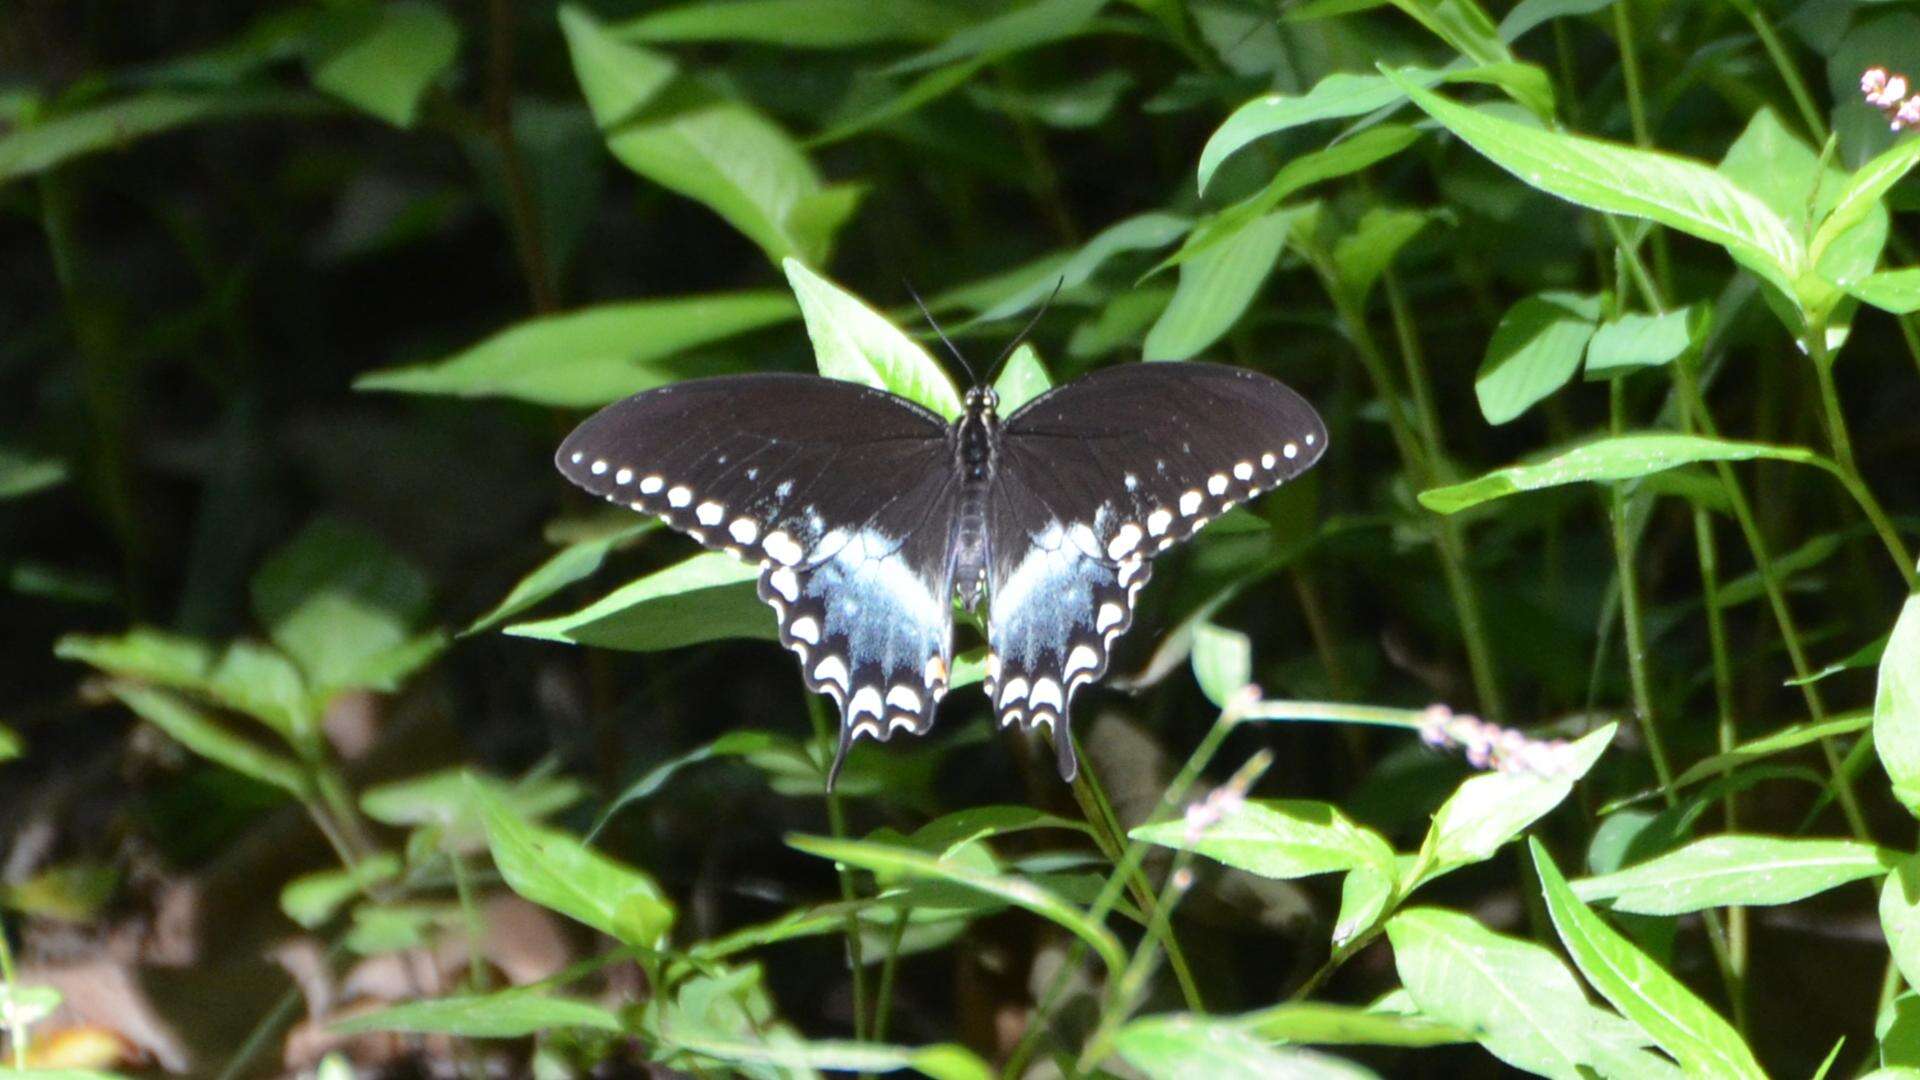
x,y
1889,95
1908,114
1873,81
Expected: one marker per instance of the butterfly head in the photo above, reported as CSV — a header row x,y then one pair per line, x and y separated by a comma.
x,y
982,400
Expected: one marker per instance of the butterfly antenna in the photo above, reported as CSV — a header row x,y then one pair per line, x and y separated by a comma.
x,y
944,340
1028,329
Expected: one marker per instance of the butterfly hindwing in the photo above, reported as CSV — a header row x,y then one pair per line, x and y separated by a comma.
x,y
841,493
1096,477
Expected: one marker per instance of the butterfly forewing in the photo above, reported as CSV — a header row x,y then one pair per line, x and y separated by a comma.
x,y
1096,477
841,493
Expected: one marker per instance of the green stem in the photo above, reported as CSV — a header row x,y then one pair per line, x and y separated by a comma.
x,y
1132,984
1631,623
837,825
470,914
1112,840
883,997
1849,473
1777,52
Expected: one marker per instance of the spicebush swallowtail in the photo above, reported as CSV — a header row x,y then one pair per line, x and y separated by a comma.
x,y
868,513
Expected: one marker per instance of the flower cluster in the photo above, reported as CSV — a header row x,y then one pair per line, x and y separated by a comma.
x,y
1888,93
1206,813
1490,746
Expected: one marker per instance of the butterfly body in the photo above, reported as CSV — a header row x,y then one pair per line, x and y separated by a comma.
x,y
869,515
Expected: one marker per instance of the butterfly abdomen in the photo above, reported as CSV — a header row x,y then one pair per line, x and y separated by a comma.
x,y
973,459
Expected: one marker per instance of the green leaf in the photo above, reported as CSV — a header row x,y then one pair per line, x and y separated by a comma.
x,y
1900,916
690,138
1278,838
573,563
1222,662
1528,14
1677,192
10,745
1022,379
1897,291
1027,26
1325,1023
851,341
24,1006
1734,871
143,653
505,1014
1896,707
1534,351
23,473
945,1061
342,605
40,146
1698,1038
1490,809
440,800
1361,256
1463,24
798,24
863,114
1778,742
1861,195
1335,97
1630,342
1622,457
555,871
1517,998
732,744
594,355
311,899
205,736
1217,285
947,832
706,598
261,682
908,862
1143,232
1184,1045
382,59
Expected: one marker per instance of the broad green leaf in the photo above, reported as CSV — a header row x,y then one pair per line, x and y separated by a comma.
x,y
945,1061
1222,662
10,745
1463,24
505,1014
1364,895
797,24
115,124
1677,192
706,598
1185,1045
1534,351
1364,149
1022,379
852,341
573,563
976,823
909,862
1734,871
1897,291
1861,195
1144,232
1775,165
1216,286
1122,323
1361,256
1325,1023
594,355
143,653
261,682
22,473
1698,1038
382,59
1517,999
1490,809
689,137
556,871
1622,457
863,114
440,800
205,736
732,744
1900,916
1335,97
344,606
1278,838
311,899
1023,27
1896,707
1632,341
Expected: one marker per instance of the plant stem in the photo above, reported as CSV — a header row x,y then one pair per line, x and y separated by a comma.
x,y
523,215
1776,51
837,824
1842,442
883,997
1112,840
1630,616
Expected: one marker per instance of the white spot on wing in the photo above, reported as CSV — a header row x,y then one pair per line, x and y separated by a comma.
x,y
1268,461
1217,484
904,698
1292,451
651,484
1243,471
1124,540
1015,689
1045,692
624,476
782,547
830,669
710,513
806,628
599,467
743,530
1310,438
578,457
1082,658
785,582
865,700
679,496
1111,615
1158,521
1190,503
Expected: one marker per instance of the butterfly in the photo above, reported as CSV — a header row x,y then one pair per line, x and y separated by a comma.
x,y
868,514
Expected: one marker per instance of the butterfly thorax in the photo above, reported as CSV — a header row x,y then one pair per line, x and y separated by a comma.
x,y
974,437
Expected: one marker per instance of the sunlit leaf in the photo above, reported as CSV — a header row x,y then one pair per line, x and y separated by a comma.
x,y
556,871
1144,232
505,1014
594,355
1633,341
311,899
946,1061
1623,457
383,58
1022,379
1216,286
852,341
1896,707
1326,1023
1533,352
1733,870
23,473
797,24
1697,1037
1222,662
1897,291
1862,194
1023,27
1278,838
207,737
1165,1047
118,123
706,598
1360,257
1488,810
573,563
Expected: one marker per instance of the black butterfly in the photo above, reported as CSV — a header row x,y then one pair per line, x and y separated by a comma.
x,y
867,513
